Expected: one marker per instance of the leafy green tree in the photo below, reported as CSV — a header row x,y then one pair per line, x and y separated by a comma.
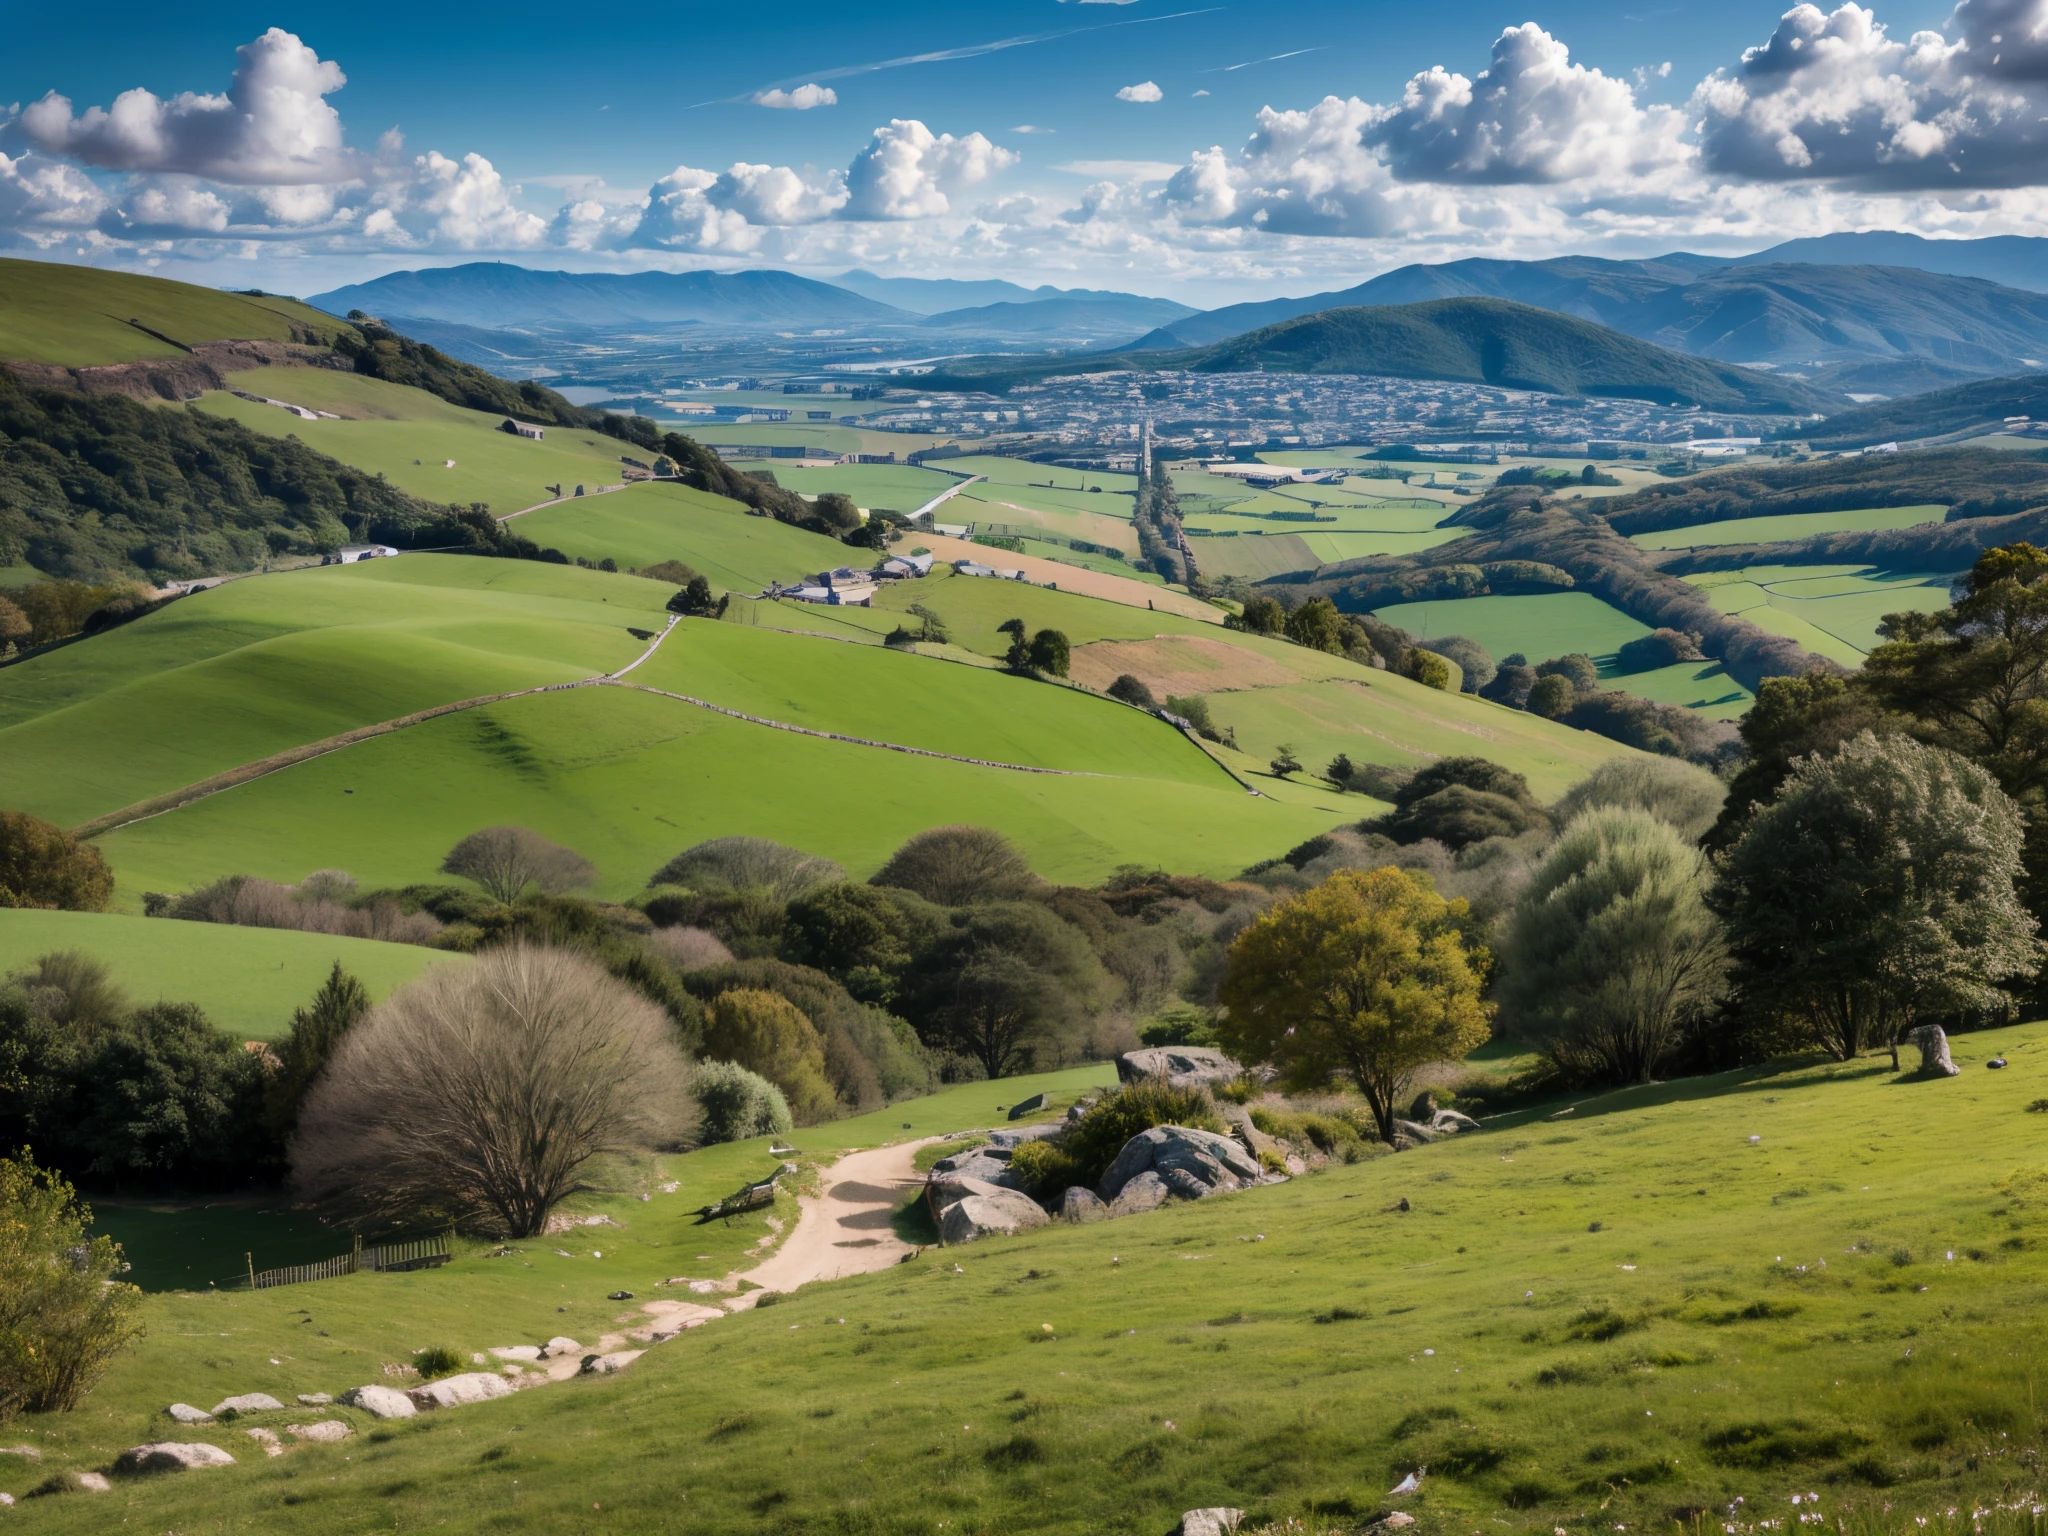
x,y
695,601
1793,717
44,867
737,1104
1552,696
1471,659
1132,690
1577,669
63,1314
862,935
1427,668
1286,763
956,866
1612,952
1050,652
1006,987
1316,626
1364,978
837,509
931,629
165,1098
1678,794
1261,616
1018,657
1875,890
1340,770
766,1033
1458,801
316,1030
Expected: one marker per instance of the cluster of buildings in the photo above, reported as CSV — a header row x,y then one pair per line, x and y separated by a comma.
x,y
845,587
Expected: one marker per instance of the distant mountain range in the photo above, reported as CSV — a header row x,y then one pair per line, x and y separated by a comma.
x,y
1467,340
1891,326
2017,261
1965,410
495,294
941,295
1108,316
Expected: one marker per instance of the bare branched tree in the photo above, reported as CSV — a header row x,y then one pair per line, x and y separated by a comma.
x,y
748,864
955,866
506,860
480,1095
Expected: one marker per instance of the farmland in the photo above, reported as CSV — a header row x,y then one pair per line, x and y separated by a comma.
x,y
648,523
1795,525
1833,610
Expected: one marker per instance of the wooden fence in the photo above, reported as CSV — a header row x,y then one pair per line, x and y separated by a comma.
x,y
425,1253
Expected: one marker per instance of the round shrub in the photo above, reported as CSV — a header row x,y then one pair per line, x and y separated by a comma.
x,y
737,1104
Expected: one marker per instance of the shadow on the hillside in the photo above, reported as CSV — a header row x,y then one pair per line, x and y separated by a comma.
x,y
1777,1076
912,1223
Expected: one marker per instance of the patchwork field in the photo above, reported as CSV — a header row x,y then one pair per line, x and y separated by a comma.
x,y
1833,610
1796,525
81,317
247,979
407,435
1539,626
1801,1278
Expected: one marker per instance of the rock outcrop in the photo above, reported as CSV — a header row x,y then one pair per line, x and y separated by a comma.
x,y
1191,1164
171,1456
971,1209
1210,1522
185,1413
326,1432
459,1391
379,1401
1183,1066
1444,1122
248,1402
612,1364
1079,1205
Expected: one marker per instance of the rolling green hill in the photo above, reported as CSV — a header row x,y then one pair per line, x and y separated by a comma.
x,y
649,523
249,980
81,317
1489,341
1983,406
1807,1278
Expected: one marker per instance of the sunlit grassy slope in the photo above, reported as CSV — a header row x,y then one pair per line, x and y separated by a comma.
x,y
82,317
1794,525
649,523
1805,1278
1833,610
247,979
408,435
234,674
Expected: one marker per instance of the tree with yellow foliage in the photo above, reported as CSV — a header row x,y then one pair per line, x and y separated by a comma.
x,y
1366,977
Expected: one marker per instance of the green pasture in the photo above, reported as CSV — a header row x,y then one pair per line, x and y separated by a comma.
x,y
1833,610
628,778
1803,1278
1046,550
1024,474
1254,556
900,487
1793,525
879,694
238,672
1329,548
1540,626
1054,502
249,980
648,523
81,317
1374,717
1702,686
407,435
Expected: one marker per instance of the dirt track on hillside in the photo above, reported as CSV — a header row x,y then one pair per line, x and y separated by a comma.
x,y
847,1229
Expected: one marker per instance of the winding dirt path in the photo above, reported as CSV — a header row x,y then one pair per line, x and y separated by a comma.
x,y
846,1230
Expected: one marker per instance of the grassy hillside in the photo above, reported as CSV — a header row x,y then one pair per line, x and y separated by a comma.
x,y
407,436
247,979
1801,1278
649,523
239,672
1978,407
1796,525
628,778
1835,608
81,317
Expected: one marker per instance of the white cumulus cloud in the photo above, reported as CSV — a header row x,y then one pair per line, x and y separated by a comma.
x,y
802,99
36,191
1144,90
908,172
273,125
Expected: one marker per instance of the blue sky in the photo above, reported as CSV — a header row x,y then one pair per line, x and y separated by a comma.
x,y
1614,128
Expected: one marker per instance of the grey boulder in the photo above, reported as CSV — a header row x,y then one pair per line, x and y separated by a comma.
x,y
970,1209
1079,1205
612,1364
986,1165
1183,1066
171,1456
185,1413
315,1399
1147,1192
326,1432
1210,1522
249,1402
380,1402
1934,1057
1030,1106
1192,1164
459,1391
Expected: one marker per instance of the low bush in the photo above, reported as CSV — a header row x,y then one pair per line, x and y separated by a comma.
x,y
438,1360
1047,1169
737,1104
1332,1135
63,1316
1115,1118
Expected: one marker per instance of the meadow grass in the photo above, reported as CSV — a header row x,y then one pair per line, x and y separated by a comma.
x,y
407,435
1331,547
629,778
1792,525
249,980
1025,473
1806,1277
1833,609
239,672
900,487
1254,556
649,523
78,317
1541,626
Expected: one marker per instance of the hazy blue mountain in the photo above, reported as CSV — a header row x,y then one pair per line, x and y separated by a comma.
x,y
2018,261
1091,317
498,294
1469,340
1901,328
940,295
1979,407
